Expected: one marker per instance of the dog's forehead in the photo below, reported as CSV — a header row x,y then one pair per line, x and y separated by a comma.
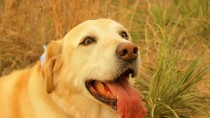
x,y
102,24
99,26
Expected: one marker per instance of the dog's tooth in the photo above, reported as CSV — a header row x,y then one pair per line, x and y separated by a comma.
x,y
107,90
102,89
99,86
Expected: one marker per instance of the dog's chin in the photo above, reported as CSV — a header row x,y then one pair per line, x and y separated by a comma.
x,y
101,90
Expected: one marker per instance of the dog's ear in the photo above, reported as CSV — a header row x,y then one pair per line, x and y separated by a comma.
x,y
52,64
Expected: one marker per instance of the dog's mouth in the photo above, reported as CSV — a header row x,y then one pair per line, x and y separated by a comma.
x,y
101,91
118,93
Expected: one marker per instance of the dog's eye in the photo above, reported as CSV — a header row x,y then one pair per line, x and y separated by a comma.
x,y
88,40
124,35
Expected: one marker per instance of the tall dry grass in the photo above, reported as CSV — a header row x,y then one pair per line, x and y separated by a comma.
x,y
26,25
158,26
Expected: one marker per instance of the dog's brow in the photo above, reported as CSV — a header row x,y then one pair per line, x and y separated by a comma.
x,y
92,35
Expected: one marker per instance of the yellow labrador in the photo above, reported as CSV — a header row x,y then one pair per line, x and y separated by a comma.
x,y
84,75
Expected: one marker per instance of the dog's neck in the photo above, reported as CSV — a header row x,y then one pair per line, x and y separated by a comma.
x,y
83,107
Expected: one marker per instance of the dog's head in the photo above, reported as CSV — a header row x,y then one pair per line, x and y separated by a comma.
x,y
93,63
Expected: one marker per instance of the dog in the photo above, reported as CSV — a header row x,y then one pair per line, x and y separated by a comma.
x,y
84,75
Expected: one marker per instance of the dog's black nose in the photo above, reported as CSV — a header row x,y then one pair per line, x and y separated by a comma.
x,y
127,51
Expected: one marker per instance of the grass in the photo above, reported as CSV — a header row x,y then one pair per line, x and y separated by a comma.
x,y
170,89
172,36
171,92
169,85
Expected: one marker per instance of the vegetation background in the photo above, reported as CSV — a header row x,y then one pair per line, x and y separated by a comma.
x,y
173,36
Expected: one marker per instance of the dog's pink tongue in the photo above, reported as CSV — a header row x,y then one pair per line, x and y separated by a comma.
x,y
129,103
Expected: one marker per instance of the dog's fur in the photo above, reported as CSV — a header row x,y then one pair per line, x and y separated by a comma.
x,y
56,89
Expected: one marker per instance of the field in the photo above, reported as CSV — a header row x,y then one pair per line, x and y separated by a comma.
x,y
173,37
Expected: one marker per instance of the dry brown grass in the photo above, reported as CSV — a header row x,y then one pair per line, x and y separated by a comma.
x,y
26,25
